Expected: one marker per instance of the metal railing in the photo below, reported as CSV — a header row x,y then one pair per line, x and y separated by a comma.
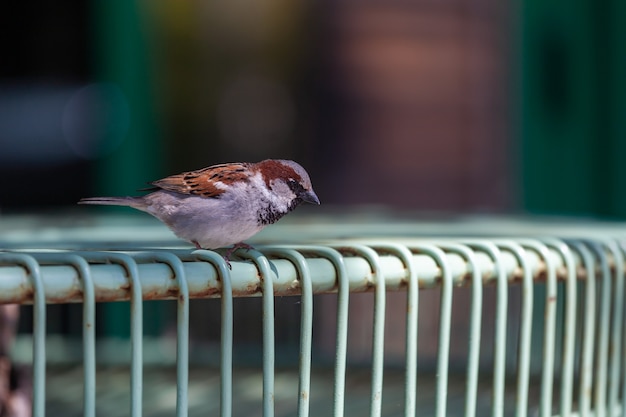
x,y
582,345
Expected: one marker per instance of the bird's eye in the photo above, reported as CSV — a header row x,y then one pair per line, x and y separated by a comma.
x,y
294,185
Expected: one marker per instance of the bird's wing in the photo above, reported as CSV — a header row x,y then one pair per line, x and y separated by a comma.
x,y
208,182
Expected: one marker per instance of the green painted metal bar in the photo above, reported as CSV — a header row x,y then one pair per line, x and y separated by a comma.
x,y
89,322
182,325
567,367
266,274
473,354
499,369
226,342
136,335
445,320
602,356
306,334
136,317
378,334
615,346
525,334
622,246
589,329
306,324
405,255
343,300
547,374
31,266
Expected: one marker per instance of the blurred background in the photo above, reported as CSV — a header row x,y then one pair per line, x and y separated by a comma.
x,y
428,106
449,106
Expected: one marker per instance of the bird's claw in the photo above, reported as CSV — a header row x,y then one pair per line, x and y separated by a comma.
x,y
232,250
228,263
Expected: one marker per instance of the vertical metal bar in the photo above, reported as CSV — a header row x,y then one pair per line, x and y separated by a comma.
x,y
306,324
525,340
500,324
306,335
378,342
182,325
473,354
445,319
89,333
526,315
136,321
567,369
525,333
89,316
405,255
39,327
136,338
268,327
343,299
603,331
622,246
226,347
617,326
547,375
412,303
589,315
89,336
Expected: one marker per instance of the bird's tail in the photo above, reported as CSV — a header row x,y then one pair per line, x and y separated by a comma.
x,y
135,202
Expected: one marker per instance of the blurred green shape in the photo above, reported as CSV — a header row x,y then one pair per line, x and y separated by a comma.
x,y
573,102
122,58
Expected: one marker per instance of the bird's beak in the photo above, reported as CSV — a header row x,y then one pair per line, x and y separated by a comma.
x,y
310,197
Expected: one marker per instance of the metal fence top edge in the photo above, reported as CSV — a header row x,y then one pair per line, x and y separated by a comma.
x,y
62,282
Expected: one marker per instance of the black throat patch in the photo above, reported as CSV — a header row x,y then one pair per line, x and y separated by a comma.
x,y
269,214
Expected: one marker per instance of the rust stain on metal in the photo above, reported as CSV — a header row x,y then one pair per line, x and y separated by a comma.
x,y
74,295
172,293
252,288
517,275
108,297
154,295
561,272
292,291
26,292
209,292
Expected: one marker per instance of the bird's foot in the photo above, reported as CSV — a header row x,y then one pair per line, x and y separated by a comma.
x,y
232,250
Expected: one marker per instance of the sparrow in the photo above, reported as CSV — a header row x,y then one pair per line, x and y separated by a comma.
x,y
223,204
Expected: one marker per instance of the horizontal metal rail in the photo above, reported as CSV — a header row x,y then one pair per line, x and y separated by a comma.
x,y
578,350
63,283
